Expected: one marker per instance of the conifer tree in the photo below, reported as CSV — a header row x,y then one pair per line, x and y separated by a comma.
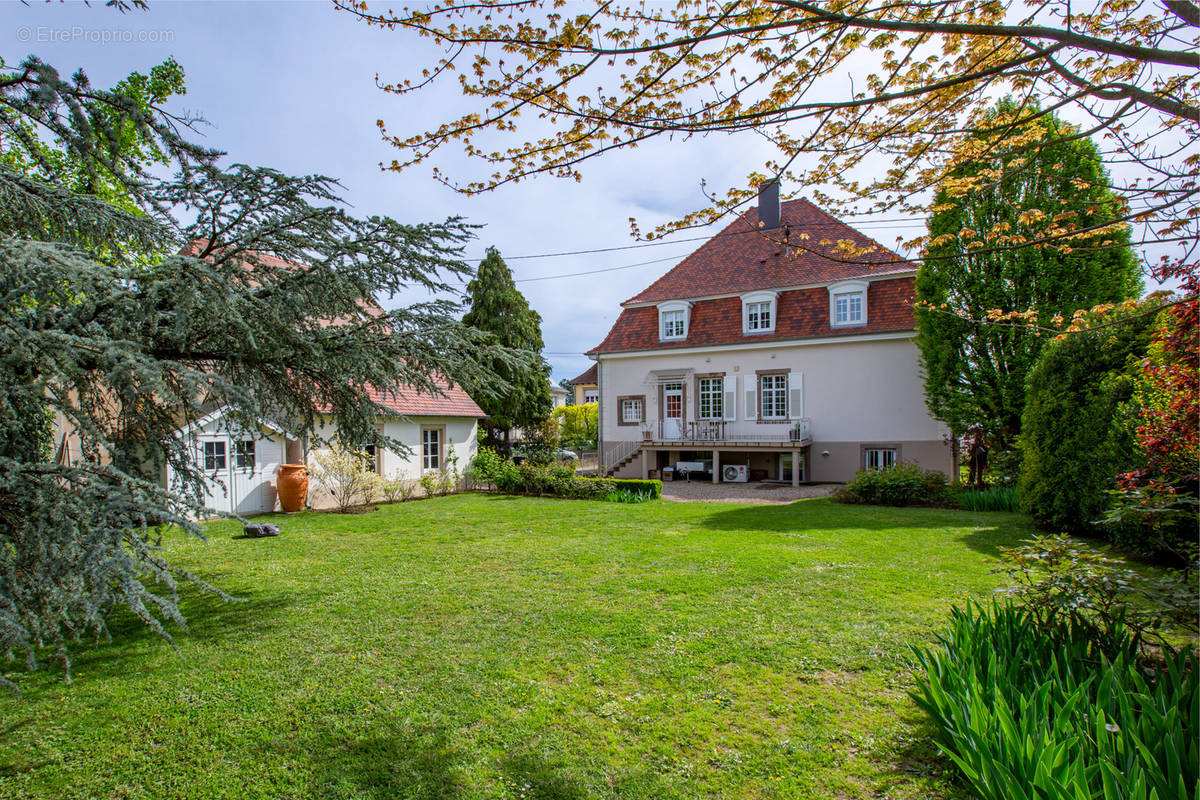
x,y
496,306
976,360
126,320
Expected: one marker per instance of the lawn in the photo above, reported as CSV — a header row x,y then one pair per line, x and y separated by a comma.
x,y
484,646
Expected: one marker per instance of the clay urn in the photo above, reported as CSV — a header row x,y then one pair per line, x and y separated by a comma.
x,y
292,483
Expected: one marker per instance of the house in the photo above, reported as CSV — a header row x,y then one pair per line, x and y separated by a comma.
x,y
558,396
430,426
587,386
241,465
772,351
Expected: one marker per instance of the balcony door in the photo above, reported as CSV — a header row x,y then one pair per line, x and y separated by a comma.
x,y
672,423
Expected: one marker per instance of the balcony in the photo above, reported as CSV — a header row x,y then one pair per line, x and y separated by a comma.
x,y
716,432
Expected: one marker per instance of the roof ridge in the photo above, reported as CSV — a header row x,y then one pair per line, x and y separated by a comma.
x,y
734,261
845,224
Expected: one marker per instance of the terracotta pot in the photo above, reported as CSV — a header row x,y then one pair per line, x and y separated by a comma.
x,y
292,483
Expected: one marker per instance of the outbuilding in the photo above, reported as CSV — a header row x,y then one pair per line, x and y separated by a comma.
x,y
239,465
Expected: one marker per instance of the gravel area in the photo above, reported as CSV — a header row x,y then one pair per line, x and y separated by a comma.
x,y
754,492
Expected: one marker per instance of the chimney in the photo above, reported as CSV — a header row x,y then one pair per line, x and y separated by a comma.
x,y
768,205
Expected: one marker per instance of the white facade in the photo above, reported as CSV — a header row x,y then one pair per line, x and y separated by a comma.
x,y
457,437
849,396
430,442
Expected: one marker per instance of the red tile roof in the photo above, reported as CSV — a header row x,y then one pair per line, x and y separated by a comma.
x,y
592,375
455,402
742,258
802,313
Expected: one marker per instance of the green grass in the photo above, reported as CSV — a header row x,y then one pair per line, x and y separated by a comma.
x,y
488,646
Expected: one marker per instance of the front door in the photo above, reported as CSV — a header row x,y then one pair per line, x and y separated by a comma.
x,y
672,411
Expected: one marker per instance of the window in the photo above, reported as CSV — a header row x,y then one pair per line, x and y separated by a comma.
x,y
372,457
772,391
711,392
848,308
214,455
591,395
431,448
672,324
758,312
758,317
848,303
243,454
878,457
631,409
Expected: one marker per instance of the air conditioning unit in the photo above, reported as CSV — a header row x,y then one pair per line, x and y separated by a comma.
x,y
735,473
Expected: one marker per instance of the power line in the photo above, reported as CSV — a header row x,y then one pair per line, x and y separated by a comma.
x,y
595,271
883,224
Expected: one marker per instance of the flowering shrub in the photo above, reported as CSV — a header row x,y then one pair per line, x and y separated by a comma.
x,y
347,474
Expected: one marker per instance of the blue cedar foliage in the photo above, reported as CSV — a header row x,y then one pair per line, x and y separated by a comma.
x,y
111,324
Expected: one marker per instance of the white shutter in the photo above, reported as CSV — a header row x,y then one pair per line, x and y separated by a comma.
x,y
730,401
751,411
796,394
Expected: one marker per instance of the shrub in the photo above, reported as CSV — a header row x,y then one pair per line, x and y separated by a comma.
x,y
901,484
542,479
994,498
397,489
346,474
1061,580
485,466
1029,711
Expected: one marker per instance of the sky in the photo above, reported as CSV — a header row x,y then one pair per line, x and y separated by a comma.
x,y
292,85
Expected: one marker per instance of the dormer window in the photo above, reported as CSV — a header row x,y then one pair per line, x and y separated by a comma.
x,y
848,304
758,312
673,320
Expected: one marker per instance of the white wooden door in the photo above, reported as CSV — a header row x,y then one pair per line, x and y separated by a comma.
x,y
238,472
213,456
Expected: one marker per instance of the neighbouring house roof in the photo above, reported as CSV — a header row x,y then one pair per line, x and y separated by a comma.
x,y
453,402
591,375
743,258
800,314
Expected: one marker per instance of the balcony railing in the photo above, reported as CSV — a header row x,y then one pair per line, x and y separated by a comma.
x,y
717,430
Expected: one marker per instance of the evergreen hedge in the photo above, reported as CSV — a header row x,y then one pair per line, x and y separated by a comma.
x,y
559,480
1075,438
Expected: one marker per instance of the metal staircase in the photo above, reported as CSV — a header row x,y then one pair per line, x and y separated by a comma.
x,y
619,455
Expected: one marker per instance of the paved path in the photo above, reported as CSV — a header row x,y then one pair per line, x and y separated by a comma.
x,y
754,492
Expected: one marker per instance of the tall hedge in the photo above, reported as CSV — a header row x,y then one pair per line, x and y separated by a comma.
x,y
1074,435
